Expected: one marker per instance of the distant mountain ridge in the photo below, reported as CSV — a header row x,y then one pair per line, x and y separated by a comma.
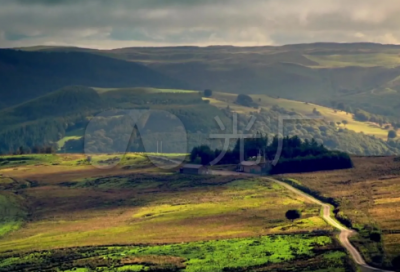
x,y
26,75
359,75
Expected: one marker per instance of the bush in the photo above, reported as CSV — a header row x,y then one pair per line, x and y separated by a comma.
x,y
245,100
293,215
375,236
207,93
392,134
396,262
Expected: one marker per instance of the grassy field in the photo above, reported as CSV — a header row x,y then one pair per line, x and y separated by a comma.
x,y
64,213
12,211
155,208
71,135
362,60
369,196
267,253
144,90
222,100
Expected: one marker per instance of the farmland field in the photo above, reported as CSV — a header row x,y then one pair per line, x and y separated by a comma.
x,y
369,196
64,213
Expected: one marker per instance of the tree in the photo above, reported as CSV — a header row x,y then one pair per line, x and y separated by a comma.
x,y
392,134
396,262
316,112
345,122
244,100
293,215
375,236
207,93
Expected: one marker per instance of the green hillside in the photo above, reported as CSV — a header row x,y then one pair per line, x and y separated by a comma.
x,y
63,115
222,100
25,75
336,129
320,73
60,119
317,73
69,100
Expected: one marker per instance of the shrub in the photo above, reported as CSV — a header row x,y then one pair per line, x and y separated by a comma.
x,y
207,93
245,100
293,215
396,262
392,134
375,236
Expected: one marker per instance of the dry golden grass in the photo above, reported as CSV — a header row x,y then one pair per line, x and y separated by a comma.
x,y
369,194
222,100
149,207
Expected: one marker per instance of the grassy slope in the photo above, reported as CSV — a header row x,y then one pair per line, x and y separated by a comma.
x,y
45,72
369,196
81,215
222,100
277,253
385,59
143,90
70,135
310,72
73,204
12,212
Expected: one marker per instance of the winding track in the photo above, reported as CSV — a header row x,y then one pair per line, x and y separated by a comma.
x,y
345,233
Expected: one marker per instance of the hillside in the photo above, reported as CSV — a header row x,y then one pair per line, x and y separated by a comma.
x,y
361,75
266,102
63,214
61,103
322,72
67,112
368,196
26,75
64,115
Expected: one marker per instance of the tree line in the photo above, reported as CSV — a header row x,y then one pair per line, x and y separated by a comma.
x,y
294,154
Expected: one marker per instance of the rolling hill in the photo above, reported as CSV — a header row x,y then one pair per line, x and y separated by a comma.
x,y
353,74
64,115
26,75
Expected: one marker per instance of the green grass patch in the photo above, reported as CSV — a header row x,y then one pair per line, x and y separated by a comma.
x,y
216,255
70,135
12,214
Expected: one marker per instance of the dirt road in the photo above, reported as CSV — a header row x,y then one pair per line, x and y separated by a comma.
x,y
345,233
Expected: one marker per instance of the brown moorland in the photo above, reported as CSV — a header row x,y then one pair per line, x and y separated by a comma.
x,y
369,195
71,206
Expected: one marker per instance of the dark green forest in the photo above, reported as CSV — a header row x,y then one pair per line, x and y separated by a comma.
x,y
43,121
295,155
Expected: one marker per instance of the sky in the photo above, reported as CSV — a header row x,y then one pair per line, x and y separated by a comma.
x,y
107,24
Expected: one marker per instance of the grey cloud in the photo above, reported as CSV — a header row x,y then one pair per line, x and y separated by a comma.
x,y
104,24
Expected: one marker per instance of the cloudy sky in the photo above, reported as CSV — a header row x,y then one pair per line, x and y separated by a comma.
x,y
123,23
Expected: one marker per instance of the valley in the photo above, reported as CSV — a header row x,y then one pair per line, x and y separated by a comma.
x,y
83,133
